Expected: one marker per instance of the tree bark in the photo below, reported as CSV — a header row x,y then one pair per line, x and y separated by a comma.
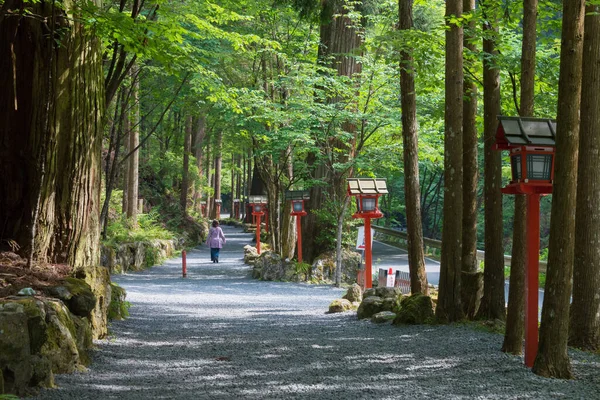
x,y
185,175
449,308
471,281
492,303
340,39
552,359
410,136
515,319
584,329
50,141
218,166
134,158
199,134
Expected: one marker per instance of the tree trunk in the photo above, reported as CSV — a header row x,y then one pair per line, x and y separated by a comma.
x,y
126,150
584,329
410,136
185,175
199,134
340,40
134,158
218,166
50,141
552,359
492,303
515,318
449,308
471,282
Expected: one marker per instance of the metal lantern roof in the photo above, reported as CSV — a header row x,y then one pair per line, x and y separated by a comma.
x,y
257,199
523,131
368,186
297,195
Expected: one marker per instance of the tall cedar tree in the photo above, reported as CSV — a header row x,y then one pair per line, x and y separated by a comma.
x,y
471,278
449,308
339,41
134,158
515,318
492,303
552,359
218,163
50,140
197,147
584,330
185,173
410,137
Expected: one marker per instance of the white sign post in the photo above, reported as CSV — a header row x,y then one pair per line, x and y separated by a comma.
x,y
360,239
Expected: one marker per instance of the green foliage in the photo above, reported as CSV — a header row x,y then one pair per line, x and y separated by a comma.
x,y
149,228
302,269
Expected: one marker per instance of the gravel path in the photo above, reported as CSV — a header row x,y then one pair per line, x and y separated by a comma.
x,y
221,335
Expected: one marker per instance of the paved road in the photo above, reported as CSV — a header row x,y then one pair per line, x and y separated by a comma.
x,y
386,256
221,335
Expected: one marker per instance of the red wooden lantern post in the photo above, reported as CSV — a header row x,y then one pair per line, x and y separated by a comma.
x,y
297,197
258,204
531,142
367,192
203,208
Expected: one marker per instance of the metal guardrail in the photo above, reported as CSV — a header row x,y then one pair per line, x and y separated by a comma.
x,y
436,245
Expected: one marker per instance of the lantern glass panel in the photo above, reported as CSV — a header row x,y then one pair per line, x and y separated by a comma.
x,y
516,167
257,208
297,206
539,167
368,204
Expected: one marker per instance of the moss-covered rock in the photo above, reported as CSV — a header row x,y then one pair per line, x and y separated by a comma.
x,y
14,349
369,307
81,301
118,308
354,294
340,305
370,292
388,292
383,317
250,255
61,346
39,337
323,267
415,310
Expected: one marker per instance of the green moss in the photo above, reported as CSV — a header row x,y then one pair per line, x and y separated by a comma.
x,y
118,307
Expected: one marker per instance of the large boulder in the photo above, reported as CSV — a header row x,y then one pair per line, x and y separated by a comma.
x,y
383,317
340,305
323,267
77,295
369,307
38,338
270,266
415,310
354,294
250,254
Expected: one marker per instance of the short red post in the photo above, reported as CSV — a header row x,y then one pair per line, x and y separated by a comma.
x,y
299,230
218,205
183,264
532,277
368,255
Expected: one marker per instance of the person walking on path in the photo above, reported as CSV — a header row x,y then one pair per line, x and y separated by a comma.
x,y
215,240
